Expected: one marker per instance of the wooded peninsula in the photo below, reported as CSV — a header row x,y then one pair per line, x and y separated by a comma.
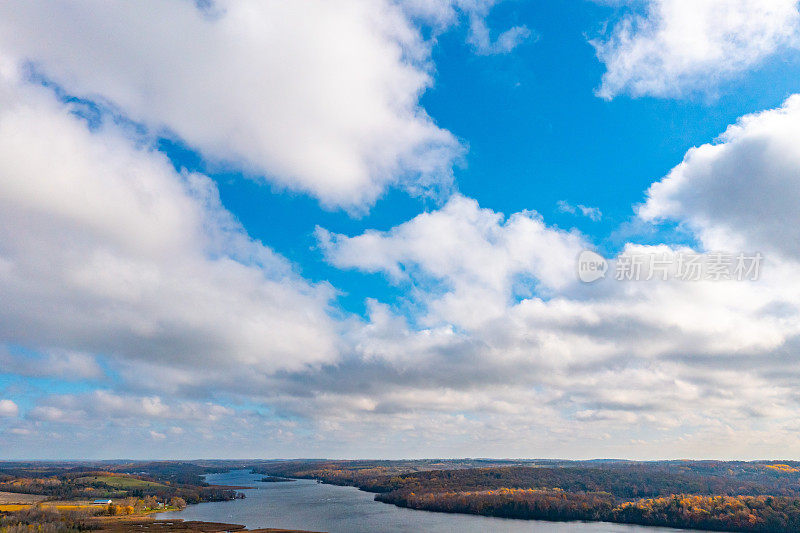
x,y
709,495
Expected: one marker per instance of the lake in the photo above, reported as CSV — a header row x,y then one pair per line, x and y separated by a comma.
x,y
306,504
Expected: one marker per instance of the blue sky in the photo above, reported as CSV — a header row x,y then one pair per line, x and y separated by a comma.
x,y
350,229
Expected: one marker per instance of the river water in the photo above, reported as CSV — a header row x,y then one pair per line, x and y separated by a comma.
x,y
308,505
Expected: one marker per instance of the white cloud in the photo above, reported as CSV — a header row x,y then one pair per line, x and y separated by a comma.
x,y
49,413
506,42
479,257
740,193
592,213
444,13
676,46
314,96
64,364
8,408
107,250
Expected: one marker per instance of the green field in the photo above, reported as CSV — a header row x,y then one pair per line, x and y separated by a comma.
x,y
121,482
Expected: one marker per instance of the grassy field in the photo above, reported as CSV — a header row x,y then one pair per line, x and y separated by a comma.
x,y
121,482
7,498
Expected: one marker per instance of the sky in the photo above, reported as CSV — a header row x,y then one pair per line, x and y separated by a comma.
x,y
357,228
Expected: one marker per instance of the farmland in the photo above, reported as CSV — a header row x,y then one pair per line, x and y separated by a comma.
x,y
7,498
59,498
122,482
70,482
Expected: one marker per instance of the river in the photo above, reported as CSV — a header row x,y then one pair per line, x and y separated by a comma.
x,y
308,505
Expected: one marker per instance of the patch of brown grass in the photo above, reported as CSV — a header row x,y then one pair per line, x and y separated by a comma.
x,y
7,498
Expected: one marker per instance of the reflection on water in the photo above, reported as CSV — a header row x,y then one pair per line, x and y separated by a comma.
x,y
306,504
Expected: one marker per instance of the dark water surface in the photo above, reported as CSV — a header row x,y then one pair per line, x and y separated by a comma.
x,y
306,504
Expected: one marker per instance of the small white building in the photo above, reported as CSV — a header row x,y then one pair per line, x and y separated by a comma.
x,y
102,502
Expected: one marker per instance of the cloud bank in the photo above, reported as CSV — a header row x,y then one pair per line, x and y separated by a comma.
x,y
122,273
495,348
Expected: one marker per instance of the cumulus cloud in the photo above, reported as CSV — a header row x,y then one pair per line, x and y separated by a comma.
x,y
482,260
106,249
670,47
314,96
742,191
8,408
